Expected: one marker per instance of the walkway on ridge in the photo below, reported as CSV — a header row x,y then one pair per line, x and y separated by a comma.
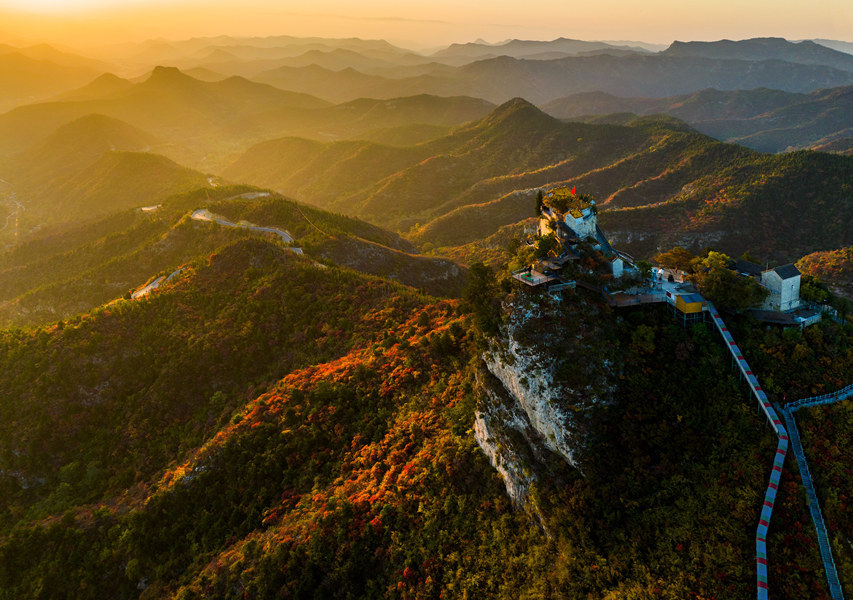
x,y
778,460
781,451
203,214
814,505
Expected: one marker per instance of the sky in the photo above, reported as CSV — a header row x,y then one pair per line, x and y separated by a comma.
x,y
422,24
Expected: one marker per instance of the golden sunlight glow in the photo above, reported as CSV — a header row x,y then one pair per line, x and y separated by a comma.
x,y
67,6
423,22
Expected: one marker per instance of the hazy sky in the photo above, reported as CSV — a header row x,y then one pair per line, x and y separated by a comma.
x,y
425,22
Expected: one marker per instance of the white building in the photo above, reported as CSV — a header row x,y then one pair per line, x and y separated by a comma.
x,y
617,265
580,223
783,283
583,221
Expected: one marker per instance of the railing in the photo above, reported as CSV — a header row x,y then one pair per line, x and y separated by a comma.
x,y
745,369
814,507
764,518
778,460
841,394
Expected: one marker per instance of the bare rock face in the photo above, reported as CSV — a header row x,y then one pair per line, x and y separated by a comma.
x,y
542,380
491,431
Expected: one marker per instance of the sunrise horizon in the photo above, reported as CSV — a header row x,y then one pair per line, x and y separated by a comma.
x,y
93,24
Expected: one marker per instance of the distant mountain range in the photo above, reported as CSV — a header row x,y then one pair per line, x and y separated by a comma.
x,y
759,49
26,77
408,162
501,78
175,107
339,70
559,48
763,119
541,71
202,123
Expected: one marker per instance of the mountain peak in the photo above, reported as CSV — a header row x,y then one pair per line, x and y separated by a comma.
x,y
100,87
109,132
516,114
517,102
168,75
107,79
513,106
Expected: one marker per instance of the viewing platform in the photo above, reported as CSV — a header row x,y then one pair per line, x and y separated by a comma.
x,y
534,278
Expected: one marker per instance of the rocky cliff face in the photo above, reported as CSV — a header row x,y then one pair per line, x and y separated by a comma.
x,y
497,425
542,380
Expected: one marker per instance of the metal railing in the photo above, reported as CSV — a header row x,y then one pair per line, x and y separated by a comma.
x,y
814,507
778,459
841,394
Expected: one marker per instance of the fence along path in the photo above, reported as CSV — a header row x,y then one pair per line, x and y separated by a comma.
x,y
814,506
841,394
778,460
814,509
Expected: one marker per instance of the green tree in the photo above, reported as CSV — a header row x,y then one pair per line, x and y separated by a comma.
x,y
643,339
813,290
545,244
677,258
843,306
645,268
718,283
482,294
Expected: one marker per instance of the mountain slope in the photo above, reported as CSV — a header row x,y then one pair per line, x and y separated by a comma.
x,y
116,181
397,187
780,206
354,118
161,360
103,86
24,79
72,147
269,453
819,119
842,145
67,269
701,106
835,268
657,182
762,119
87,168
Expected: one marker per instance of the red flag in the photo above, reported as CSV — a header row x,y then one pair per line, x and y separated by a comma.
x,y
573,191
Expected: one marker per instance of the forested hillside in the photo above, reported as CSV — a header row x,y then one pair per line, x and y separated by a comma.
x,y
69,269
658,183
301,456
136,384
